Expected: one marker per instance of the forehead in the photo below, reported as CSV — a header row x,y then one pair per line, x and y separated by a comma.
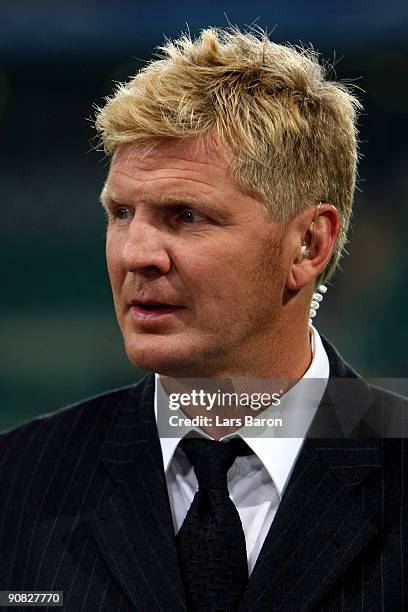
x,y
194,165
200,150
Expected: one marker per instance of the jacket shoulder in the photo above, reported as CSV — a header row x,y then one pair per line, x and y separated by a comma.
x,y
384,397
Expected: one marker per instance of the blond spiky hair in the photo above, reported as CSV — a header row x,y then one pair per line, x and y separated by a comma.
x,y
291,132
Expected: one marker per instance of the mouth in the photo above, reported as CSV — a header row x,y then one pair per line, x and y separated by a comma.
x,y
151,309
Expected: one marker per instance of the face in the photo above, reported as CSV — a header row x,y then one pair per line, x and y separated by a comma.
x,y
197,271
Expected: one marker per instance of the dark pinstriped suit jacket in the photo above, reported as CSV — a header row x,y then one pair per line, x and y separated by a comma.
x,y
84,509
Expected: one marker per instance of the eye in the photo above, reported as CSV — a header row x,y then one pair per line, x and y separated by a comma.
x,y
122,213
189,216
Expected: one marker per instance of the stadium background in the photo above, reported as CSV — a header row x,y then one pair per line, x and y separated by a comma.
x,y
59,338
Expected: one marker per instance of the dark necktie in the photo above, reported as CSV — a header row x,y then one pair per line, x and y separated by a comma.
x,y
211,542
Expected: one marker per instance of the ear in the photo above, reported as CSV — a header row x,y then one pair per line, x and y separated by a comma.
x,y
313,235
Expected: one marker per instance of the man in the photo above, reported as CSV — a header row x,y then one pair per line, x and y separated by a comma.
x,y
228,198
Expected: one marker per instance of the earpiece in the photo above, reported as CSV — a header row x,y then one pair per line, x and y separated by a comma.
x,y
317,298
304,252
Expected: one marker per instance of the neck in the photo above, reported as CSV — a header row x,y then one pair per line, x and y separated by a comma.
x,y
272,372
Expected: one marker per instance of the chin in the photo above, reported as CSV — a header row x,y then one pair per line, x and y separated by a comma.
x,y
169,357
165,358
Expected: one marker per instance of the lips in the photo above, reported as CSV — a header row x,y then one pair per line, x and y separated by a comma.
x,y
148,309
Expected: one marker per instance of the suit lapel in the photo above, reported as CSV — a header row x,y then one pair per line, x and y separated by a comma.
x,y
319,529
134,528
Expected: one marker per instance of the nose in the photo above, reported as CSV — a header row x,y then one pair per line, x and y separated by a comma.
x,y
144,248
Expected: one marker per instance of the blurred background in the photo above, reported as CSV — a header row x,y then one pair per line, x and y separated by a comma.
x,y
59,339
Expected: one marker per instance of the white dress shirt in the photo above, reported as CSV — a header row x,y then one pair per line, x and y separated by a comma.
x,y
255,482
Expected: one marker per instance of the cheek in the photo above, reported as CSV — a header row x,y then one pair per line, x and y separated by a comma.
x,y
113,261
217,284
222,270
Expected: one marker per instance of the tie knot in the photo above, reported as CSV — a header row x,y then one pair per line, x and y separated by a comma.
x,y
212,460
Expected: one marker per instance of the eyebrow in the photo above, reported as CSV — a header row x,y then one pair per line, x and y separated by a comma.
x,y
184,199
107,197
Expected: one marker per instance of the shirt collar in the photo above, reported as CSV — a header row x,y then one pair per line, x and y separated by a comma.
x,y
278,455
